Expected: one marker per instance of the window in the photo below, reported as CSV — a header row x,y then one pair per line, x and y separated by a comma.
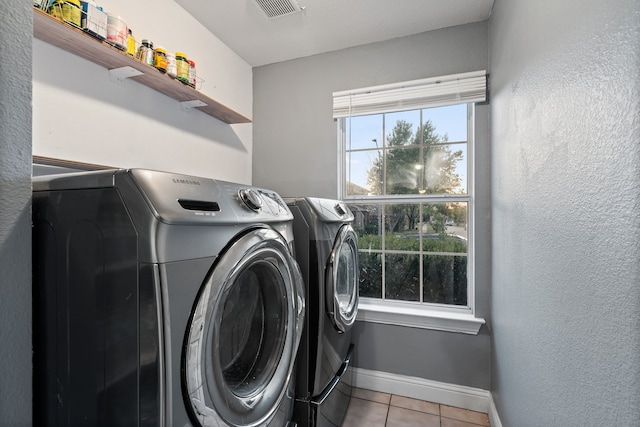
x,y
407,175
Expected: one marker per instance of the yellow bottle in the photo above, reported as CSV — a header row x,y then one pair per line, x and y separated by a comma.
x,y
131,44
160,59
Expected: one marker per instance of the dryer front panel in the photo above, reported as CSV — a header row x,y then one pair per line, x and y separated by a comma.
x,y
342,277
244,333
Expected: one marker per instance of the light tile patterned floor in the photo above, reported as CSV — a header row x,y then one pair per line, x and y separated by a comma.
x,y
374,409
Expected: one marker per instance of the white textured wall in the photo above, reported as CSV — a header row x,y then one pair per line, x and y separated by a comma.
x,y
80,115
565,90
15,214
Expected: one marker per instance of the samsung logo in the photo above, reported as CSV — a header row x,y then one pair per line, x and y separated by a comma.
x,y
185,181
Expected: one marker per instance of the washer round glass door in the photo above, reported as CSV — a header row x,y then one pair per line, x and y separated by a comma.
x,y
342,277
243,333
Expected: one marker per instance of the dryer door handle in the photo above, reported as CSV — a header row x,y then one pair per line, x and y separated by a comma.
x,y
319,399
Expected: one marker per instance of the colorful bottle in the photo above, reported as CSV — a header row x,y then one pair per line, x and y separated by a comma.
x,y
141,54
160,59
150,55
171,65
192,73
131,44
182,67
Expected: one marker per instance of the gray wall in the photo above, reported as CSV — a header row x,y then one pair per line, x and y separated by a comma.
x,y
293,129
295,153
15,216
566,212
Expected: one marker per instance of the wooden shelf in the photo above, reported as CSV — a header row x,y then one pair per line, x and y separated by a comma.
x,y
77,42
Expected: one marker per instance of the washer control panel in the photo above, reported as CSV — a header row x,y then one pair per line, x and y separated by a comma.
x,y
181,198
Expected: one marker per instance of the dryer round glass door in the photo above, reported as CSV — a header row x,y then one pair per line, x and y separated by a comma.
x,y
342,277
244,333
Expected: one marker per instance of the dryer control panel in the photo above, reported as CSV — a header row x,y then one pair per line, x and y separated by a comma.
x,y
330,210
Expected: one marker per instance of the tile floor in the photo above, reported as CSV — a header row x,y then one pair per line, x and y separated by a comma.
x,y
374,409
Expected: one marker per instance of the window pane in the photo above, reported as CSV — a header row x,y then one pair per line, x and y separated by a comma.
x,y
364,132
429,169
403,171
422,169
460,151
449,122
359,182
367,225
370,275
402,277
445,279
401,226
441,226
400,127
444,227
439,169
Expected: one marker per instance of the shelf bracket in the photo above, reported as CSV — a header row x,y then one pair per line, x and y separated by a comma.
x,y
188,105
118,75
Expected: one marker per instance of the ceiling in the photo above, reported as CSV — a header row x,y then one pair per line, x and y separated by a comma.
x,y
325,25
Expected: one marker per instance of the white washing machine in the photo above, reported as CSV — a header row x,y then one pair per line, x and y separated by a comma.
x,y
163,300
327,251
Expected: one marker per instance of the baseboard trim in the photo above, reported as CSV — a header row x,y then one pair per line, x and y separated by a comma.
x,y
494,419
475,399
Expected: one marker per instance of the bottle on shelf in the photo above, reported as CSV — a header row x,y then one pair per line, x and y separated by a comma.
x,y
160,59
131,43
182,67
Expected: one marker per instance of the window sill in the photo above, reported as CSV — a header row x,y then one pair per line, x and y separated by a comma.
x,y
410,315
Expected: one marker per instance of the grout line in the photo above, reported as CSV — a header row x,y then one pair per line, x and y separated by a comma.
x,y
386,420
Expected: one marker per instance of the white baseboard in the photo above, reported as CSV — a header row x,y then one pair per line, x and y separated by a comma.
x,y
494,419
459,396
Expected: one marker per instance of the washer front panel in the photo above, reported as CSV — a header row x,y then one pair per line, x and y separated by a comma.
x,y
243,334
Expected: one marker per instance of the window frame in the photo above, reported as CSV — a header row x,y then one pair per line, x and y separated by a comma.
x,y
460,319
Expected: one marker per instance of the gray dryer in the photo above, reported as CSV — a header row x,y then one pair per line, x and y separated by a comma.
x,y
327,252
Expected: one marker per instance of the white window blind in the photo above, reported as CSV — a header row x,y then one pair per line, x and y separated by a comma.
x,y
423,93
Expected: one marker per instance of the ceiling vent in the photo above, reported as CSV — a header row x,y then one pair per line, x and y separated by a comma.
x,y
277,8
